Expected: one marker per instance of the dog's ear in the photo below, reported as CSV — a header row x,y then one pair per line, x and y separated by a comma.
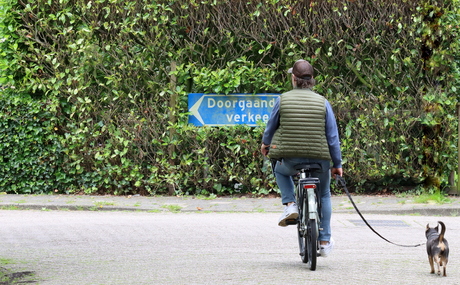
x,y
427,226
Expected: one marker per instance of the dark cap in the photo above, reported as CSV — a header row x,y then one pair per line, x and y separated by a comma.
x,y
302,69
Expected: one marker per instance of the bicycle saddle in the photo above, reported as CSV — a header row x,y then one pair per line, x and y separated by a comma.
x,y
308,166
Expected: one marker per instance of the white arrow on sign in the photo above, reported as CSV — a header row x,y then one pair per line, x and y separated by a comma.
x,y
194,109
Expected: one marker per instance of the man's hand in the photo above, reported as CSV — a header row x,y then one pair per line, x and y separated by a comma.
x,y
264,149
336,171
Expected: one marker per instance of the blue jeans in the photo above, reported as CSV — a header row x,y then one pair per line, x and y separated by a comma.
x,y
284,170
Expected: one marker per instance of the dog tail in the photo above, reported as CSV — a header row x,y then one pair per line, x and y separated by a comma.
x,y
443,230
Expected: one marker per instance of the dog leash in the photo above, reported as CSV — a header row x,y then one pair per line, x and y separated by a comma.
x,y
342,181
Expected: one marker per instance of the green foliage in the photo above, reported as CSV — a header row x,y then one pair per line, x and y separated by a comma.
x,y
113,76
31,155
239,76
433,196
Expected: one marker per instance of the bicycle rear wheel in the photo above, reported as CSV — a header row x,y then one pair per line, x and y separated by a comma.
x,y
308,243
301,225
311,243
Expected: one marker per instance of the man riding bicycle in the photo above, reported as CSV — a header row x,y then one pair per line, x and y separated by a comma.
x,y
302,129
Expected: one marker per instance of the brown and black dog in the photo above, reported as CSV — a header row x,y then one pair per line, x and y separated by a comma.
x,y
437,248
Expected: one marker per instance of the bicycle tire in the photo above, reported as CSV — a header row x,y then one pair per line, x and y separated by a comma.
x,y
301,230
308,244
311,244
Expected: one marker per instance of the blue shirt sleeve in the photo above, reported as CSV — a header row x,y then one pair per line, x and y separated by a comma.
x,y
332,136
272,124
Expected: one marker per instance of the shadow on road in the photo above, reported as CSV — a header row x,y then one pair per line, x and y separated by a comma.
x,y
8,278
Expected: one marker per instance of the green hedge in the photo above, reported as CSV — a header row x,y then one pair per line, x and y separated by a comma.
x,y
31,152
118,74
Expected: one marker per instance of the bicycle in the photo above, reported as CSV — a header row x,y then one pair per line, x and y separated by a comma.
x,y
309,205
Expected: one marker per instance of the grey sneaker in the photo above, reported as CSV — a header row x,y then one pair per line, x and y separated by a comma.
x,y
290,213
326,249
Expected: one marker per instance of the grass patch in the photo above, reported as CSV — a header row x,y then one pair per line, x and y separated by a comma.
x,y
5,261
437,197
8,277
172,208
101,204
9,208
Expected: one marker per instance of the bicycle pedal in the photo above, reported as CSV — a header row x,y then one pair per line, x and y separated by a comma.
x,y
320,229
291,222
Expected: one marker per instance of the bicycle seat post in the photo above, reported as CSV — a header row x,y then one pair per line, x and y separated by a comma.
x,y
303,174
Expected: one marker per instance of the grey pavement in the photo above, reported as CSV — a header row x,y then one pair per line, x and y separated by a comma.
x,y
181,240
341,204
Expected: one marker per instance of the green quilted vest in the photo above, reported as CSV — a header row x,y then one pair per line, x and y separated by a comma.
x,y
302,126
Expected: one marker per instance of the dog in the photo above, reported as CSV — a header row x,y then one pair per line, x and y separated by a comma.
x,y
437,248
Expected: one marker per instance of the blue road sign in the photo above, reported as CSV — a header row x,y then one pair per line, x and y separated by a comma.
x,y
233,109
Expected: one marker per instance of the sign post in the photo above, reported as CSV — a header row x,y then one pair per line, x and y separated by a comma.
x,y
232,109
458,151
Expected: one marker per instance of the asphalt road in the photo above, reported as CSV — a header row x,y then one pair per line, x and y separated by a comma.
x,y
127,247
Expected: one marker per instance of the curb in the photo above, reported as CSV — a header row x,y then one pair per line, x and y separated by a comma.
x,y
433,211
